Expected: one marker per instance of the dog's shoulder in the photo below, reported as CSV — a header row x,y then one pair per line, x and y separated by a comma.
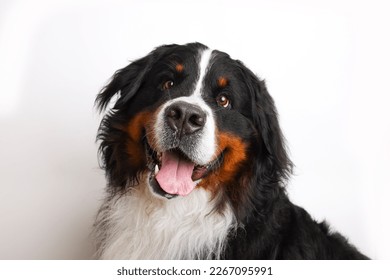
x,y
305,238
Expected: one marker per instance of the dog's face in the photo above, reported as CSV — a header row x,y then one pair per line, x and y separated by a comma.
x,y
189,117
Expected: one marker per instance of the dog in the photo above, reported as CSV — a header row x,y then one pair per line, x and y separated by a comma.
x,y
196,165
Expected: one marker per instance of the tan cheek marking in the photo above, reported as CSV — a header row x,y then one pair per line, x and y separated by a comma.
x,y
150,130
179,68
136,125
134,146
222,82
235,153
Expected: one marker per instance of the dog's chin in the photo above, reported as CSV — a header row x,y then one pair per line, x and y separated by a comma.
x,y
173,173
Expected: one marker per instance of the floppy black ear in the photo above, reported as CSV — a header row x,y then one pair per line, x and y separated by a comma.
x,y
265,118
127,81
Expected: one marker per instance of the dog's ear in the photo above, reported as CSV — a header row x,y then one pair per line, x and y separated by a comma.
x,y
265,117
125,82
128,80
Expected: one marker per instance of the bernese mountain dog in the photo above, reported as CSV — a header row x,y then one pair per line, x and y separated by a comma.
x,y
196,165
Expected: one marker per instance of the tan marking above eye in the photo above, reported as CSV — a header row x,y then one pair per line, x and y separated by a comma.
x,y
222,82
179,68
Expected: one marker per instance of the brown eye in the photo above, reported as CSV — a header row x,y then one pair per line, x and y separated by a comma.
x,y
223,101
167,85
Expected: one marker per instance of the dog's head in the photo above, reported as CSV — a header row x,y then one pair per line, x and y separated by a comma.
x,y
190,117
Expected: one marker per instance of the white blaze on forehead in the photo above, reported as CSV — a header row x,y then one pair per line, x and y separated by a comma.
x,y
205,58
205,147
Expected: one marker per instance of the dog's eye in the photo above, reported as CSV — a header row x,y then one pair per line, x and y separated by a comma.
x,y
167,85
223,101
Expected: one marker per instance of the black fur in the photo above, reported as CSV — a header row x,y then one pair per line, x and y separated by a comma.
x,y
133,96
270,226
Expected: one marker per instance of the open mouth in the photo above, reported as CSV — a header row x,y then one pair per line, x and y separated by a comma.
x,y
173,173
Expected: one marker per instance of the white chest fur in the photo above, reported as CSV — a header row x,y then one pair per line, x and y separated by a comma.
x,y
139,225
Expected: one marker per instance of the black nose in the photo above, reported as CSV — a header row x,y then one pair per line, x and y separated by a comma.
x,y
185,118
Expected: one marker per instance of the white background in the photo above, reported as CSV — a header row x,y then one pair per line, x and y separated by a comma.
x,y
326,64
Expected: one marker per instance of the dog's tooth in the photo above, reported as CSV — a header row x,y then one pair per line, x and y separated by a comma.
x,y
156,169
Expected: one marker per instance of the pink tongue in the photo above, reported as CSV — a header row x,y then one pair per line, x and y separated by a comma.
x,y
174,176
